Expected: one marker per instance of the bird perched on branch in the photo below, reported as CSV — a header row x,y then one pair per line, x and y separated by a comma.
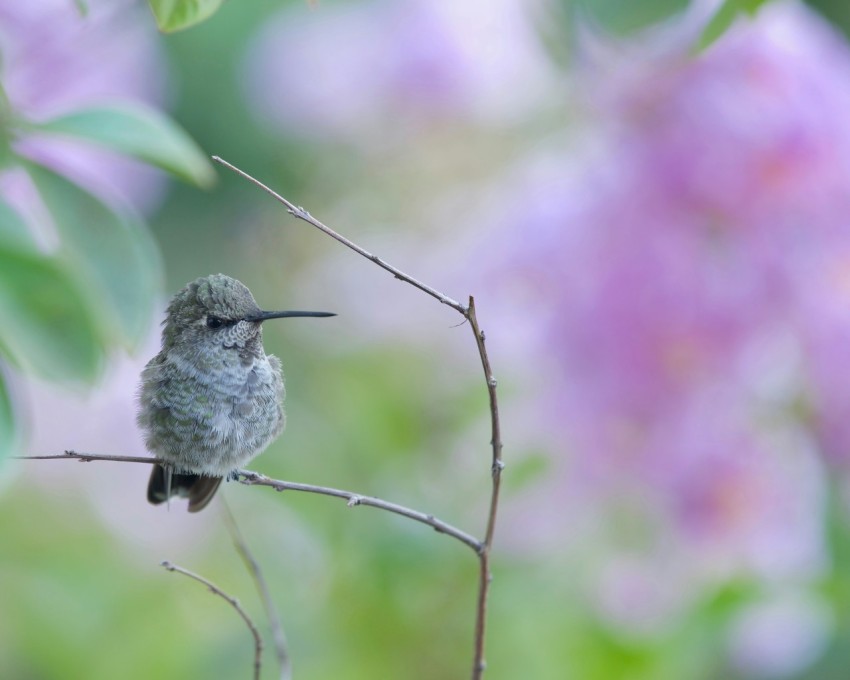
x,y
211,400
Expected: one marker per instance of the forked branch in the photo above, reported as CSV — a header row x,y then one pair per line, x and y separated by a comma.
x,y
468,312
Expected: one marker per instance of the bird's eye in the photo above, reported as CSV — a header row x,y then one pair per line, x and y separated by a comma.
x,y
214,322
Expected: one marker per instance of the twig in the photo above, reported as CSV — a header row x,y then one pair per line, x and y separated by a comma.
x,y
279,637
89,457
301,214
258,641
251,478
497,464
256,479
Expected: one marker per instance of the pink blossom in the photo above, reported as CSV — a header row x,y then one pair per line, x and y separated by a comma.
x,y
682,274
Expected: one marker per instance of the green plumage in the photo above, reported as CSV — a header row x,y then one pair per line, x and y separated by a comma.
x,y
211,400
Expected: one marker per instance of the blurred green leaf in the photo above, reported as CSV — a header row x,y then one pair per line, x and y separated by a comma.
x,y
175,15
8,429
720,22
48,328
114,252
139,131
837,11
13,229
623,17
6,134
723,19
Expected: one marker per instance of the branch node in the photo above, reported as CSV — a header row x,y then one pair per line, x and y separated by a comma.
x,y
492,382
354,500
498,466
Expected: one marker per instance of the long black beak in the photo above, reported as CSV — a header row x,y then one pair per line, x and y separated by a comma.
x,y
265,316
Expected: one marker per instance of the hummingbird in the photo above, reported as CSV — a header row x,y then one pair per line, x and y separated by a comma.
x,y
212,399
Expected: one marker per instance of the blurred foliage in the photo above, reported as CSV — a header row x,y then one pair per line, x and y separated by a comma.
x,y
837,11
620,17
176,15
8,431
139,131
55,334
725,16
361,594
73,305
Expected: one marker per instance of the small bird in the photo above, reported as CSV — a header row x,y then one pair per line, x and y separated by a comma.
x,y
211,400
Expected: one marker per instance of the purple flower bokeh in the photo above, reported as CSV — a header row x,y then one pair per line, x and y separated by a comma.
x,y
681,275
364,71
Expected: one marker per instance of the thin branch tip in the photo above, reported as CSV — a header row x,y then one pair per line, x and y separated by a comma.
x,y
281,646
215,590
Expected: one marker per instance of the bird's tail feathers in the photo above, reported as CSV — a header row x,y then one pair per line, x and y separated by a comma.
x,y
164,484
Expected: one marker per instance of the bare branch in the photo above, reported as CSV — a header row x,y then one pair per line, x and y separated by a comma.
x,y
256,479
301,214
483,548
258,641
250,478
279,637
89,457
497,465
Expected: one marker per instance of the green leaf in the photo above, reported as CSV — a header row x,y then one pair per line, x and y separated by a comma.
x,y
176,15
752,6
723,19
13,229
619,17
719,23
836,11
48,328
138,131
8,428
114,253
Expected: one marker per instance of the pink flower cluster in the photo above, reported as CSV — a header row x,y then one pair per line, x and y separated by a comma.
x,y
687,281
